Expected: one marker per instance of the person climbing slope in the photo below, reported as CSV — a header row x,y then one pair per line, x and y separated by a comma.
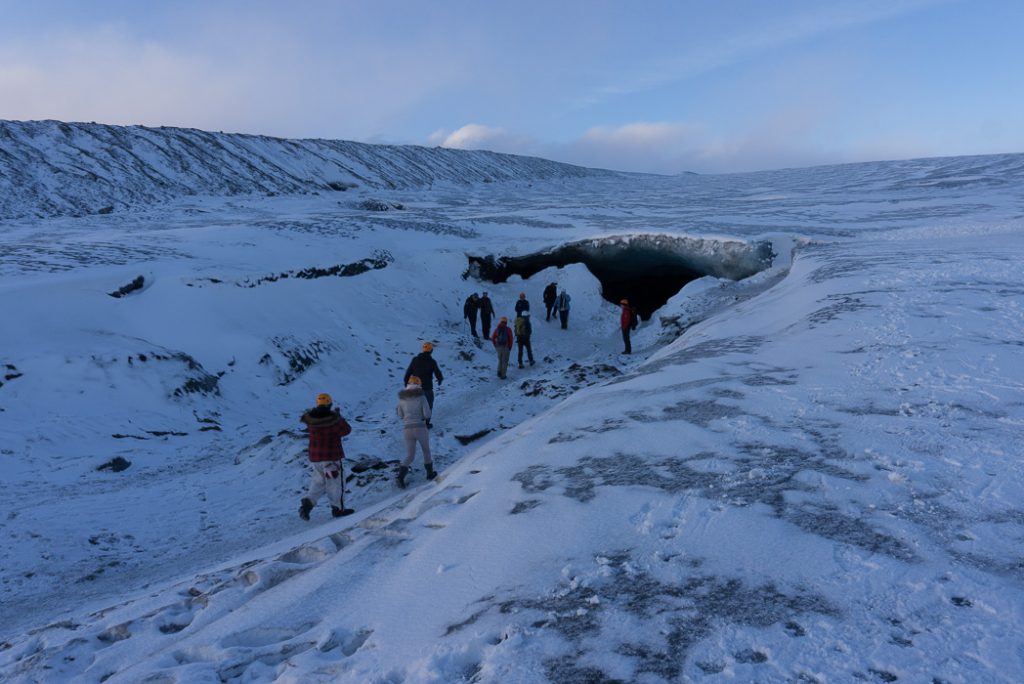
x,y
414,411
424,367
326,427
502,339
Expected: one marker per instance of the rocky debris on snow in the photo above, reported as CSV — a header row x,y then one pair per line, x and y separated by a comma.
x,y
298,357
340,186
116,464
11,372
367,469
109,209
379,205
129,288
468,439
576,376
380,259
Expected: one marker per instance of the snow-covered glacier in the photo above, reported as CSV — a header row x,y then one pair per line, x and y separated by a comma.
x,y
810,473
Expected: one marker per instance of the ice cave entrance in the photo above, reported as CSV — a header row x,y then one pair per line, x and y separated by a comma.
x,y
648,270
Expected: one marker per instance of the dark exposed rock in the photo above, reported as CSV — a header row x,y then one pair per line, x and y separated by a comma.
x,y
130,287
116,464
468,439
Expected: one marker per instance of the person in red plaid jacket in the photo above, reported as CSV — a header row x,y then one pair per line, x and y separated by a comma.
x,y
326,428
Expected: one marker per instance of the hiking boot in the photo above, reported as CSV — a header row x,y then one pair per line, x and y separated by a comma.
x,y
430,471
339,512
531,362
402,472
521,365
305,506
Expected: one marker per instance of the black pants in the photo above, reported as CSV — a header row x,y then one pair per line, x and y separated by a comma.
x,y
564,317
551,310
472,324
625,340
525,342
428,392
485,326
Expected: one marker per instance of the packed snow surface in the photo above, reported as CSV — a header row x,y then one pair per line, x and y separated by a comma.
x,y
809,475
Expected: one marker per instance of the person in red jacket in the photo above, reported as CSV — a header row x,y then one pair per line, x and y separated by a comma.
x,y
502,339
627,321
326,428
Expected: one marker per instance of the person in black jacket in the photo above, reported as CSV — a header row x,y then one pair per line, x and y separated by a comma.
x,y
523,304
550,295
424,367
469,310
486,314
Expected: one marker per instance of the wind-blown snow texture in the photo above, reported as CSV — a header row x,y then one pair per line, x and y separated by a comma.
x,y
810,475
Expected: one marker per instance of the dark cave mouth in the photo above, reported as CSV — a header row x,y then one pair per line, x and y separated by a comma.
x,y
648,270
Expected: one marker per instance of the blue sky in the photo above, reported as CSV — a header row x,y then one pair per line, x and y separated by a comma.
x,y
659,86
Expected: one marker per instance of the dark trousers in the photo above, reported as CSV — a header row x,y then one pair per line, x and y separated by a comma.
x,y
485,326
564,317
625,341
529,350
551,310
428,392
472,324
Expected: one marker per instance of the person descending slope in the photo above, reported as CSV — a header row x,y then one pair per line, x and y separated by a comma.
x,y
563,308
424,367
469,310
414,411
326,428
627,321
486,314
502,339
524,330
523,304
550,295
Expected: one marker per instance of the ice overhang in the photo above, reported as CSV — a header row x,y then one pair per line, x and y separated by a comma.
x,y
648,270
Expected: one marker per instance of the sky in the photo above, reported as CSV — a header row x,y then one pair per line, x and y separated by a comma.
x,y
661,86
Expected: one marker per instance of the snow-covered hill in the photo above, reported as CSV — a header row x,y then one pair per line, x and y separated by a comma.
x,y
812,474
51,168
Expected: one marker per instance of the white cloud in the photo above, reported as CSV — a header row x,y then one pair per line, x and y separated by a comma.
x,y
479,137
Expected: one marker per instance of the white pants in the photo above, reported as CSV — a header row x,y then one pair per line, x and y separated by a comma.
x,y
326,476
414,435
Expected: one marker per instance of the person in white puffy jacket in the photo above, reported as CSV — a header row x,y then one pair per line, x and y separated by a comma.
x,y
414,410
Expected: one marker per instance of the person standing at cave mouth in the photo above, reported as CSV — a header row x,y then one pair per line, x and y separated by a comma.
x,y
523,330
563,308
502,339
523,304
486,314
469,310
550,295
628,322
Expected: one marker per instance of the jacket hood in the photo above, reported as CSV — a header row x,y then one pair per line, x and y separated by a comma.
x,y
321,416
410,393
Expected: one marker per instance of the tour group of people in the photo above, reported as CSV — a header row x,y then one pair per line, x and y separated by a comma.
x,y
327,427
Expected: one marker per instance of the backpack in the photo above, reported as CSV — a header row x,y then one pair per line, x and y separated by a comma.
x,y
501,338
522,327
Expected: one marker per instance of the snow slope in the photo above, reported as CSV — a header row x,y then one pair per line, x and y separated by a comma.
x,y
809,475
52,168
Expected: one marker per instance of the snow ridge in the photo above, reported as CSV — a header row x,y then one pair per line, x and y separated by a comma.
x,y
53,168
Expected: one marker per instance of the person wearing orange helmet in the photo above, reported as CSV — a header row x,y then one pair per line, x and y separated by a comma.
x,y
326,427
414,411
424,367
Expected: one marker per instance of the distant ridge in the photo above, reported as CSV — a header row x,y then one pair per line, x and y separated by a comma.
x,y
52,168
